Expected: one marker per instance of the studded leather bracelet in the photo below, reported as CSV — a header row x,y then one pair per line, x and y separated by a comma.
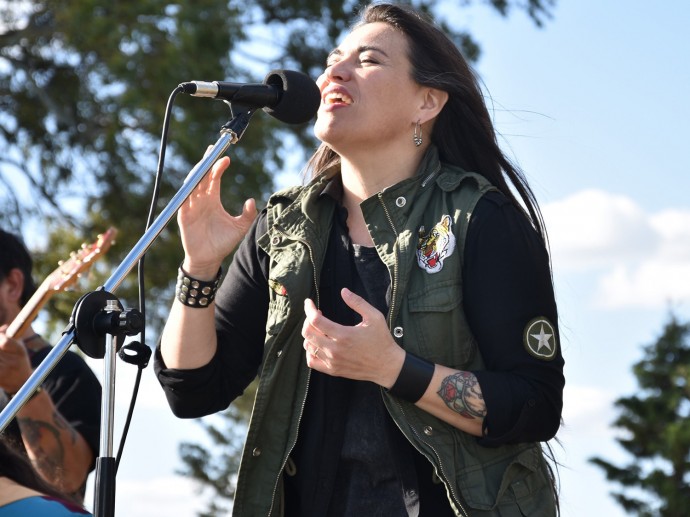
x,y
196,293
414,378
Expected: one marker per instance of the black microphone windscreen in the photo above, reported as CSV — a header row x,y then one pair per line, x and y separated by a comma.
x,y
300,98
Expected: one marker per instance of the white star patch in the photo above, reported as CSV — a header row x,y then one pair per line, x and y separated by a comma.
x,y
540,339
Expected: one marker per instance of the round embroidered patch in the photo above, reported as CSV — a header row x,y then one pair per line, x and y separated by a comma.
x,y
540,339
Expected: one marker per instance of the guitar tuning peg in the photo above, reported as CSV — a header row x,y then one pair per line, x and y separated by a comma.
x,y
61,262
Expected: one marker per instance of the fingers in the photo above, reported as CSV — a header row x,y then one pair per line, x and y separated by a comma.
x,y
208,187
359,305
211,183
318,323
316,340
10,345
249,212
220,167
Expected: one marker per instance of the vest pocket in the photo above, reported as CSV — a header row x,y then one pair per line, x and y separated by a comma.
x,y
519,489
439,329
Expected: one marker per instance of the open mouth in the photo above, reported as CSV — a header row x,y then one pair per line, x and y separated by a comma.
x,y
337,98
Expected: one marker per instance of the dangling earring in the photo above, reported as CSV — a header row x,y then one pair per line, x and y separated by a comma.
x,y
417,135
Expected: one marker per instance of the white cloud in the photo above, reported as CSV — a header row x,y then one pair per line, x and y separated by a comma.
x,y
592,228
674,228
587,410
652,284
640,259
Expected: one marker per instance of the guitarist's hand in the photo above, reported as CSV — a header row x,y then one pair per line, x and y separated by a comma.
x,y
15,367
209,232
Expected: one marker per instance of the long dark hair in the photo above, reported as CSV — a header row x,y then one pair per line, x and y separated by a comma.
x,y
13,254
463,131
19,469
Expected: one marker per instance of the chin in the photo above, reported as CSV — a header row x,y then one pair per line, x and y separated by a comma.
x,y
327,134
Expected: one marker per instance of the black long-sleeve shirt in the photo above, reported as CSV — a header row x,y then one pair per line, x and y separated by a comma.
x,y
506,283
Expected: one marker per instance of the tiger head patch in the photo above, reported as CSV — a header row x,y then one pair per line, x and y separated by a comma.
x,y
437,245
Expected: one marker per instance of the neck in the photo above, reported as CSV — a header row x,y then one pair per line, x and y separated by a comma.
x,y
370,171
367,173
10,491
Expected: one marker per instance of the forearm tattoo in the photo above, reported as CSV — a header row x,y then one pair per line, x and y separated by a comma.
x,y
42,438
462,394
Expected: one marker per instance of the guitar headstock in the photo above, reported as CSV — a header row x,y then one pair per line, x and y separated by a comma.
x,y
80,261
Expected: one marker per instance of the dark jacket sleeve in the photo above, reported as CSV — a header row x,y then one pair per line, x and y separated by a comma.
x,y
507,284
241,311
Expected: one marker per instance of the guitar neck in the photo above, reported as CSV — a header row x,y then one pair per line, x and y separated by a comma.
x,y
65,275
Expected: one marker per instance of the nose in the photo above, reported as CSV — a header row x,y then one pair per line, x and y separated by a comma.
x,y
338,71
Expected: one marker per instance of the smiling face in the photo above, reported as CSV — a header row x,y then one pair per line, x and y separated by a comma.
x,y
368,97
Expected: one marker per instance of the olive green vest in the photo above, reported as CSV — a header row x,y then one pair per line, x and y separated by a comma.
x,y
426,317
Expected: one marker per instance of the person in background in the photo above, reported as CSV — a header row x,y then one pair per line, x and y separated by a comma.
x,y
24,493
398,309
58,427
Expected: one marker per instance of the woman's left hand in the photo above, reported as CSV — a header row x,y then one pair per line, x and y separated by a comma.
x,y
365,352
368,352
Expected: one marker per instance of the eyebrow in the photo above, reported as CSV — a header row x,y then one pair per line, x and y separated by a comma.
x,y
360,49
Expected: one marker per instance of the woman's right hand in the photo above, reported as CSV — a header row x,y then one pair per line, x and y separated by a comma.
x,y
209,233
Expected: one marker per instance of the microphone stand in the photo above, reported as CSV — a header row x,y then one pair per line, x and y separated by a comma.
x,y
88,327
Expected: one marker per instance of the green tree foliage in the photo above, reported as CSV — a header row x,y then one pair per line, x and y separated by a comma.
x,y
83,88
656,430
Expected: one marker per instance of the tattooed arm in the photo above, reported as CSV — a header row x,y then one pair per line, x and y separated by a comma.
x,y
59,453
456,398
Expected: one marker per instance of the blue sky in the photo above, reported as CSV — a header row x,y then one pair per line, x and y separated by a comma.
x,y
595,109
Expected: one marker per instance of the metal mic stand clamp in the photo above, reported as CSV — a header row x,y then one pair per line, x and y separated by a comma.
x,y
98,320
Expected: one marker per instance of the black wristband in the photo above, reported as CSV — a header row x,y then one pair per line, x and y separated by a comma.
x,y
196,293
414,378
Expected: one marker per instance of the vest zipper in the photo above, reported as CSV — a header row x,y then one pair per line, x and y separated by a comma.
x,y
430,176
450,486
282,467
394,280
306,390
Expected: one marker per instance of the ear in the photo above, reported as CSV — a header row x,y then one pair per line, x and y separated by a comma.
x,y
13,286
433,102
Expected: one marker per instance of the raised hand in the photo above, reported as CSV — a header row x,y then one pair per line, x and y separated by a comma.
x,y
209,232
